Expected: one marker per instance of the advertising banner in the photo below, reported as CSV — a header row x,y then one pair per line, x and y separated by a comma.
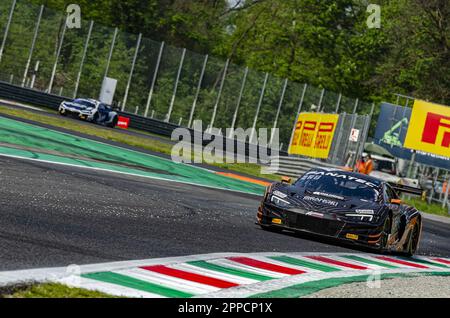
x,y
313,135
429,129
392,126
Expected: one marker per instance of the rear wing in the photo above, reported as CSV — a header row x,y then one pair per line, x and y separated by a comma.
x,y
400,188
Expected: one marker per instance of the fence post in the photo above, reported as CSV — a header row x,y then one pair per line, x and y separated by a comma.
x,y
299,109
197,92
111,50
216,105
261,97
430,199
33,78
338,139
283,92
338,103
444,203
33,43
133,64
55,65
155,75
364,133
8,24
356,106
177,80
322,94
241,92
86,44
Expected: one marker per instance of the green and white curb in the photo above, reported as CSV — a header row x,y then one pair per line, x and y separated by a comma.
x,y
232,275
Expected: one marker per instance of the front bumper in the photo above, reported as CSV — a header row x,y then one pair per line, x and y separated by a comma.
x,y
75,112
324,224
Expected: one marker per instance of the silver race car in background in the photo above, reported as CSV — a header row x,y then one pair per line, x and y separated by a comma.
x,y
90,110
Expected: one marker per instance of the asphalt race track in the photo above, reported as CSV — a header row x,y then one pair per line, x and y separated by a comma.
x,y
54,215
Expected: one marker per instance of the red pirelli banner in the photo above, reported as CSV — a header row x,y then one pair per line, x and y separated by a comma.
x,y
313,135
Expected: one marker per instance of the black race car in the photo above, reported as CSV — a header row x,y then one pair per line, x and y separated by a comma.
x,y
344,205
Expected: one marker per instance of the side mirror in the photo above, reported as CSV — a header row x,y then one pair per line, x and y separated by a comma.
x,y
396,201
286,180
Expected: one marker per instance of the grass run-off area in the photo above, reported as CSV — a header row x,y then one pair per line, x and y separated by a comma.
x,y
117,136
51,290
424,206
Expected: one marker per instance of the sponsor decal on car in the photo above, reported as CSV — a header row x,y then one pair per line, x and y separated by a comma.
x,y
320,200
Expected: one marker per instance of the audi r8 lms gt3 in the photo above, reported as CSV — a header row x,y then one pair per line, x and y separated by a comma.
x,y
91,110
344,205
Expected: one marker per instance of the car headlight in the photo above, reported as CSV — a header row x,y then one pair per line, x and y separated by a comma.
x,y
279,201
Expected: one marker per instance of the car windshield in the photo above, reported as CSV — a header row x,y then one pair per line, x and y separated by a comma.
x,y
338,185
84,102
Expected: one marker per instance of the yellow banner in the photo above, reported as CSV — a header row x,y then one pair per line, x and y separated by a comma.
x,y
429,128
313,135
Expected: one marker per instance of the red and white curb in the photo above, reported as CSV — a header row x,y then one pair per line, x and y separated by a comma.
x,y
225,275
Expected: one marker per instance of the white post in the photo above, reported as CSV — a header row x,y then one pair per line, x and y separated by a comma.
x,y
322,94
133,64
155,75
172,101
86,44
238,102
216,105
261,97
55,65
33,43
8,24
338,103
356,106
111,49
283,92
300,105
33,78
197,93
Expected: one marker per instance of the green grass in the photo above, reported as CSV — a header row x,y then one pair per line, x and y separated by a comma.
x,y
52,290
117,136
423,206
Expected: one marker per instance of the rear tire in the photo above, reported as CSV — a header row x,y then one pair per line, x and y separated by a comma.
x,y
413,240
95,118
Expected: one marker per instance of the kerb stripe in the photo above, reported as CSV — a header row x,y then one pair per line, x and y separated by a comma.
x,y
202,279
267,266
335,262
393,260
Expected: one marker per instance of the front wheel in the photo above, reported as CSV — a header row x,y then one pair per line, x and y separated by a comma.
x,y
113,123
62,112
385,234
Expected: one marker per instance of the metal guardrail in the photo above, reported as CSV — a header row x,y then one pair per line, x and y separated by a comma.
x,y
296,166
155,126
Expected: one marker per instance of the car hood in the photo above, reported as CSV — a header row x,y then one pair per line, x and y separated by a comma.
x,y
77,106
300,200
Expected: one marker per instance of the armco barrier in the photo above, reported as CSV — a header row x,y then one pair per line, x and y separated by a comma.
x,y
51,101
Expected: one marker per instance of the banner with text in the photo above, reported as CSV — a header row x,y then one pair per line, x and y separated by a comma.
x,y
429,128
313,135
